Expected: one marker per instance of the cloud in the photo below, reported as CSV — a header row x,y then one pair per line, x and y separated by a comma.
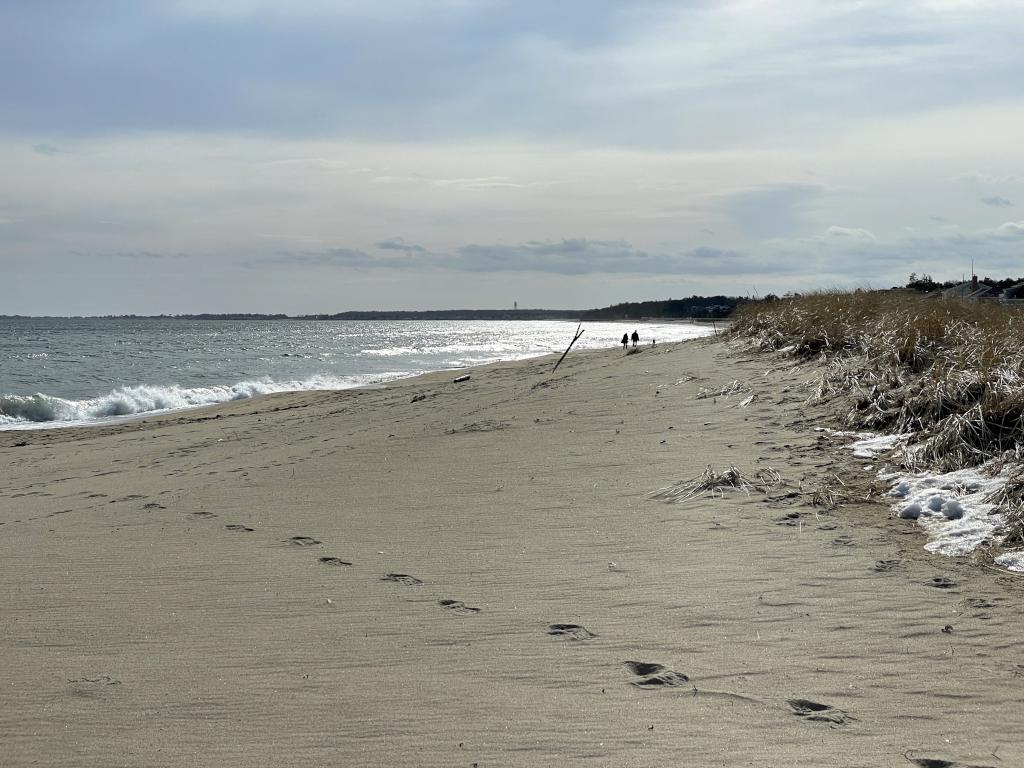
x,y
47,149
854,234
574,256
996,201
486,182
859,257
398,244
298,9
601,72
296,238
1011,230
772,211
129,255
334,257
978,177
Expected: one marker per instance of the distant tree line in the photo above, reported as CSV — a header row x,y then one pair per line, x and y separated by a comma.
x,y
694,306
925,283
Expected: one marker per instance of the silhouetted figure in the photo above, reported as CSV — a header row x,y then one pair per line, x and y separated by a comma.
x,y
636,338
625,340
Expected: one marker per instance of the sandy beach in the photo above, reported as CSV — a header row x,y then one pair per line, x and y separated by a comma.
x,y
476,574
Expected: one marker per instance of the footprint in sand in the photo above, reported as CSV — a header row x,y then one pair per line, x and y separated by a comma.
x,y
91,687
940,582
303,541
571,631
401,578
933,762
888,566
459,607
202,515
99,680
652,675
819,713
337,561
843,541
239,528
980,606
978,602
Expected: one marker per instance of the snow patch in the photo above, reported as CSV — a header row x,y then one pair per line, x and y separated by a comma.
x,y
951,508
870,445
1012,561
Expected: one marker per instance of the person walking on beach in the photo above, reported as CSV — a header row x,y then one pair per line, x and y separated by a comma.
x,y
636,338
625,340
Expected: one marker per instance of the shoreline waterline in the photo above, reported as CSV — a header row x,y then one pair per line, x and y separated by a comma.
x,y
388,356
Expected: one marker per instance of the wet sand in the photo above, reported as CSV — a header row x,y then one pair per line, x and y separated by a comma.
x,y
441,574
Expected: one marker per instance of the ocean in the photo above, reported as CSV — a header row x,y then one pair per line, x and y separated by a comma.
x,y
78,371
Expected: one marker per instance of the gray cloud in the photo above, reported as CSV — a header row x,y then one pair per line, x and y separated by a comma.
x,y
851,233
582,257
996,201
1011,230
47,149
879,262
576,256
142,255
335,257
398,244
980,178
682,72
772,211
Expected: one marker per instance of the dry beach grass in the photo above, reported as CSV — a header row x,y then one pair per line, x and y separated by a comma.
x,y
442,574
950,373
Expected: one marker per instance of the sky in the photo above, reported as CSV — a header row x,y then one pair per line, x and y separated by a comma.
x,y
179,156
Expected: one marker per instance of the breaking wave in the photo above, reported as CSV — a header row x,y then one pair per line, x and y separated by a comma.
x,y
39,410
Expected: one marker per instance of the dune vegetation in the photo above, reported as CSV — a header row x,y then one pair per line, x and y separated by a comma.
x,y
950,373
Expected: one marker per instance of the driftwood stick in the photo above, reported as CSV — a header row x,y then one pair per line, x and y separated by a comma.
x,y
574,338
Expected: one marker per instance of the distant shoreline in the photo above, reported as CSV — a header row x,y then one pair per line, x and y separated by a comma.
x,y
484,314
439,314
692,308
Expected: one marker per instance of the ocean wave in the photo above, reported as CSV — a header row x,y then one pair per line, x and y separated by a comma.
x,y
49,410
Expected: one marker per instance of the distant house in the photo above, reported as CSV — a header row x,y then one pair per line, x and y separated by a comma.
x,y
972,291
1013,296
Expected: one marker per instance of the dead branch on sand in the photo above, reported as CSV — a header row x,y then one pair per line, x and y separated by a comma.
x,y
574,338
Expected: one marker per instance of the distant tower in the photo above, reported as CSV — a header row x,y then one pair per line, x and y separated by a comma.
x,y
515,305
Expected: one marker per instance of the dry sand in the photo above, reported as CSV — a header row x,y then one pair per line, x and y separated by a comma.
x,y
160,607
